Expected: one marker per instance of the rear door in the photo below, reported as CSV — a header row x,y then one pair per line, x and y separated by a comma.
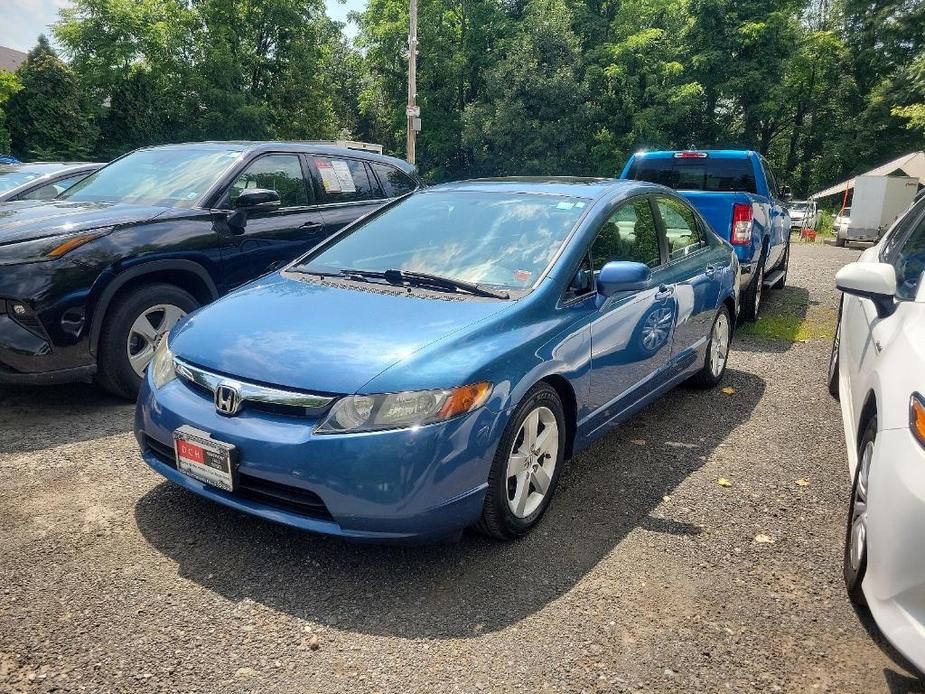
x,y
346,188
271,238
694,270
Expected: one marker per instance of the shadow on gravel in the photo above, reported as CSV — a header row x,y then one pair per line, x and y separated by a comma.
x,y
477,585
33,418
783,320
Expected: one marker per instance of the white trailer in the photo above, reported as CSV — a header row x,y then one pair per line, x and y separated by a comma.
x,y
877,202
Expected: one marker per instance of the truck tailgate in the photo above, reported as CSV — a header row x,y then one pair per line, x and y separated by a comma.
x,y
717,207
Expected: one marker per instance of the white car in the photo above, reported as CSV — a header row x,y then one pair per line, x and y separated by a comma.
x,y
803,214
840,225
877,371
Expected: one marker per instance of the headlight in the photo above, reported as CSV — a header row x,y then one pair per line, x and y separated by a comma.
x,y
917,417
162,367
47,248
401,410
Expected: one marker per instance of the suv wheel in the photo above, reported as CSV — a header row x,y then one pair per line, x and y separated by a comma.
x,y
132,329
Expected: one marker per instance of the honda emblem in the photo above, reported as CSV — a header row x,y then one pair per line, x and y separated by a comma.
x,y
227,400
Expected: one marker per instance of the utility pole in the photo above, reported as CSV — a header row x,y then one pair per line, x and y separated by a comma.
x,y
413,111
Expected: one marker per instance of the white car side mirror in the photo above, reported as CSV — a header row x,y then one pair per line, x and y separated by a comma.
x,y
874,281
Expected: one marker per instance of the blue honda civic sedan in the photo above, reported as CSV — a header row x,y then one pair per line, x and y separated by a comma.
x,y
432,366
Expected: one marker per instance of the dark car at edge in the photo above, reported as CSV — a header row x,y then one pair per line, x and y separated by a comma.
x,y
92,280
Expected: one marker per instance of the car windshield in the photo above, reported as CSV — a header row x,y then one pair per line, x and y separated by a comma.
x,y
168,177
702,173
846,212
11,177
799,206
500,239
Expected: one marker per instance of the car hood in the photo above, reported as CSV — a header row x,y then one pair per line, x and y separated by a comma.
x,y
331,337
22,221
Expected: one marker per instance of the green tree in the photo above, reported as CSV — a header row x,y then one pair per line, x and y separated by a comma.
x,y
51,116
9,85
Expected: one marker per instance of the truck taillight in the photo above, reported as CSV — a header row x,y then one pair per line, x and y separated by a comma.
x,y
741,224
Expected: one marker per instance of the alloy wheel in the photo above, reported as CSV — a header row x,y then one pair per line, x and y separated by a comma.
x,y
759,287
857,547
147,331
532,462
719,345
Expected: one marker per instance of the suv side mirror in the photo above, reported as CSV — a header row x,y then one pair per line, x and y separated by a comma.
x,y
786,194
874,281
623,276
257,198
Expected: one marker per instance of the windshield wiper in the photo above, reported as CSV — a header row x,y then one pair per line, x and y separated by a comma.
x,y
410,277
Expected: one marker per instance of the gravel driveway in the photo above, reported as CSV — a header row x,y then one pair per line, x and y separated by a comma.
x,y
646,574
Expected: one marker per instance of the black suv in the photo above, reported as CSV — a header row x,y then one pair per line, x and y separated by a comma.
x,y
91,281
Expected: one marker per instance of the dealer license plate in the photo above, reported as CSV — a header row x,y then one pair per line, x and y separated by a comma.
x,y
202,457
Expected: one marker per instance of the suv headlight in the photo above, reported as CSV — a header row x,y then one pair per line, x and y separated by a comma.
x,y
410,408
162,367
47,248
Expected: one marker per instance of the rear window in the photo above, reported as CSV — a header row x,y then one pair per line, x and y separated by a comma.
x,y
722,175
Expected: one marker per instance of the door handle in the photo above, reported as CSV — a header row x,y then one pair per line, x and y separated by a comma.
x,y
664,292
710,270
311,225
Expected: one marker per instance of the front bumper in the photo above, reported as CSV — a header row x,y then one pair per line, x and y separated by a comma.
x,y
420,483
895,581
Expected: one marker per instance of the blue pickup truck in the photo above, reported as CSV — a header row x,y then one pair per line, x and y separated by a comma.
x,y
737,194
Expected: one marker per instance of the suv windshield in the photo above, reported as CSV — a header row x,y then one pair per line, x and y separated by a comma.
x,y
707,173
161,177
500,239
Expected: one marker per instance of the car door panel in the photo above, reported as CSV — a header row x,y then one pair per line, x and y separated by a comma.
x,y
271,238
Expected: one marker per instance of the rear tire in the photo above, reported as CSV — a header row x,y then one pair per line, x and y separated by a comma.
x,y
855,561
717,355
131,330
839,241
513,504
754,295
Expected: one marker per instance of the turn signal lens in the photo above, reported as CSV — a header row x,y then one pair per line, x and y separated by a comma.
x,y
70,245
465,399
917,417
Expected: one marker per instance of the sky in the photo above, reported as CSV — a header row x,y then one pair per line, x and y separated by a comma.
x,y
21,21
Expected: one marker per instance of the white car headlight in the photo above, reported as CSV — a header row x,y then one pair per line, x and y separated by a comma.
x,y
410,408
162,367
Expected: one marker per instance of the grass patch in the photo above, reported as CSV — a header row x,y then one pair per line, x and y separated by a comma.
x,y
789,327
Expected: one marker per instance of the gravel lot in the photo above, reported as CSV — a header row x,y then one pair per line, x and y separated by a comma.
x,y
644,576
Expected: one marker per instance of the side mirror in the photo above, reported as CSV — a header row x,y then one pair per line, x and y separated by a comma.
x,y
257,198
786,194
874,281
623,276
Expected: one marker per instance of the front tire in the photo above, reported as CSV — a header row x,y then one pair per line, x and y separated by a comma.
x,y
527,465
132,329
834,356
714,363
856,550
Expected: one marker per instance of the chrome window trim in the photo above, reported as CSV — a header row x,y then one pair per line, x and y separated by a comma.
x,y
250,392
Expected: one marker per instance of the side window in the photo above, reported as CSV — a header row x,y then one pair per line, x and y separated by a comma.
x,y
769,176
629,234
346,180
393,181
910,261
279,172
50,191
681,228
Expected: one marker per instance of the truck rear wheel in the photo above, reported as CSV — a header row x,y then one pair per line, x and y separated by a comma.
x,y
754,294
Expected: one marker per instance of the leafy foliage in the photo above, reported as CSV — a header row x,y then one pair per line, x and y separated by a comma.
x,y
823,88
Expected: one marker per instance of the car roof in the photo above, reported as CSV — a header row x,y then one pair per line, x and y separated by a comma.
x,y
307,146
572,186
717,153
47,167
